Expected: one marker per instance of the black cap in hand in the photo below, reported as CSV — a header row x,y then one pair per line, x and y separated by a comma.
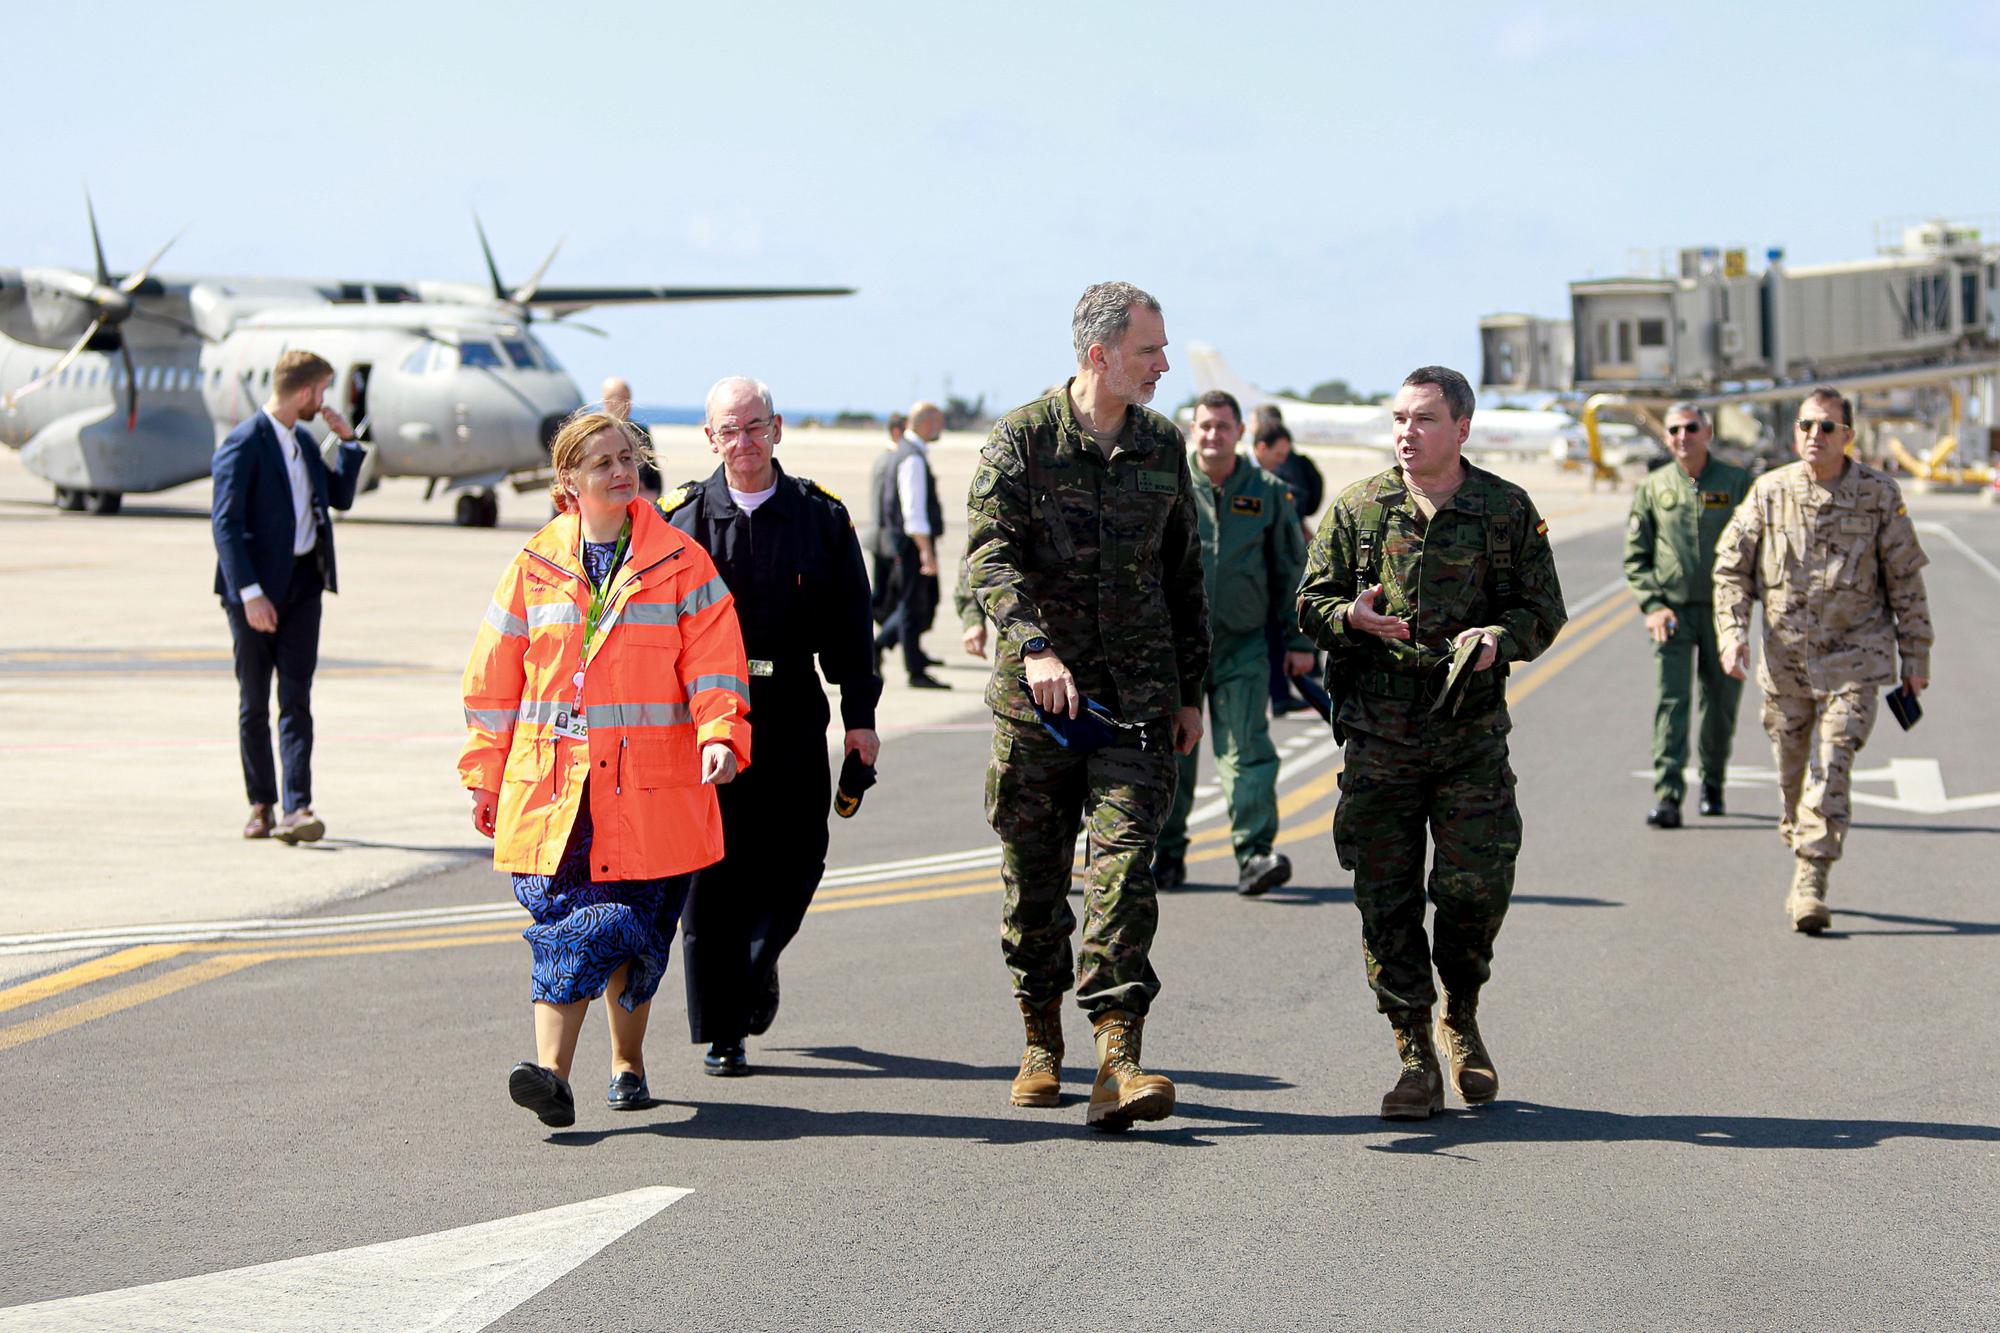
x,y
855,778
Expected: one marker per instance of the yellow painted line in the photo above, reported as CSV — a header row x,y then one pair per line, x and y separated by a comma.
x,y
97,969
1569,649
990,886
919,882
440,933
125,997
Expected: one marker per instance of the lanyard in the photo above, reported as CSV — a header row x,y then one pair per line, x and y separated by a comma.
x,y
600,593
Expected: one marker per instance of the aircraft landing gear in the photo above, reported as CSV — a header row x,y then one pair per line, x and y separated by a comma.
x,y
97,502
477,511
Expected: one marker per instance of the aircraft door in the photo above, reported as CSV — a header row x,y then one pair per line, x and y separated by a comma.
x,y
356,405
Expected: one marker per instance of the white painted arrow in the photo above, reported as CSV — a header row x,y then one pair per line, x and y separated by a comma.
x,y
462,1279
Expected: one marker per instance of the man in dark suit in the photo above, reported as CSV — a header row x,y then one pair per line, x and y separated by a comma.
x,y
274,549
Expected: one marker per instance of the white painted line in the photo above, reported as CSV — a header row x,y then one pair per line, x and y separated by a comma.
x,y
1935,528
453,1281
1596,597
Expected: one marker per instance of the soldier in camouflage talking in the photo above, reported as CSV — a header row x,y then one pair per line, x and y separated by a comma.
x,y
1083,553
1432,565
1827,544
1677,513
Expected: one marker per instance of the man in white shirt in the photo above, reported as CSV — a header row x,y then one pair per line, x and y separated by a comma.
x,y
274,557
910,522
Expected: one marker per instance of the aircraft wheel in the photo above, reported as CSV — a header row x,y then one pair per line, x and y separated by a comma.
x,y
69,501
466,515
103,502
489,510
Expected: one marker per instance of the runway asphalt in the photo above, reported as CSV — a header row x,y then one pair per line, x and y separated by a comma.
x,y
1705,1119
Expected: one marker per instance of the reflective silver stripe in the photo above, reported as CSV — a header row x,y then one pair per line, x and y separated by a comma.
x,y
493,719
540,710
650,613
639,715
500,618
707,595
735,683
554,613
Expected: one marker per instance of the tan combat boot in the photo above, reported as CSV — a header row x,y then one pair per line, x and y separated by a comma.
x,y
1806,904
1124,1092
1040,1081
1419,1093
1472,1071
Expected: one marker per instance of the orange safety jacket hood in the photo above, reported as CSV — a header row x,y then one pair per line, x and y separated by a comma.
x,y
666,675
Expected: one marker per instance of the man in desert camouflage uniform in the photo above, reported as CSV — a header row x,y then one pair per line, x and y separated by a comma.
x,y
1407,567
1828,545
1083,553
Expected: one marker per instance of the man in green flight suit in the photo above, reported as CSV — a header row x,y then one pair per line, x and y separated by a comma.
x,y
1084,555
1432,560
1253,551
1678,513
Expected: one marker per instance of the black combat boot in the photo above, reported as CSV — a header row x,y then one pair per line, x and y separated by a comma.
x,y
1419,1093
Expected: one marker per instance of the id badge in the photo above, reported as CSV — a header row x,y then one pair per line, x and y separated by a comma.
x,y
571,724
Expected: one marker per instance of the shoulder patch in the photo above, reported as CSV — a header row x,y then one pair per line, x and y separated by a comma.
x,y
676,497
1542,528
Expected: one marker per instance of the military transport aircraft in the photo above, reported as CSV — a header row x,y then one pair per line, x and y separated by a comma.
x,y
113,385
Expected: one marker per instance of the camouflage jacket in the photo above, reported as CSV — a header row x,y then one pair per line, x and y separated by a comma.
x,y
1670,541
1253,551
1100,557
1483,561
1840,574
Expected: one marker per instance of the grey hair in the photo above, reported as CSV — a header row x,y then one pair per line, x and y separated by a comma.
x,y
1687,408
1102,315
729,382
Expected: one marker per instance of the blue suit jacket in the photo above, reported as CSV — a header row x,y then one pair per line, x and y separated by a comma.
x,y
252,510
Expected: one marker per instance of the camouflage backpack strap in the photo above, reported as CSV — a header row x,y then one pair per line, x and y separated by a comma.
x,y
1500,558
1042,502
1371,525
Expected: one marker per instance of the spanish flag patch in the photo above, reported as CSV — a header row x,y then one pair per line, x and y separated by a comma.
x,y
1542,528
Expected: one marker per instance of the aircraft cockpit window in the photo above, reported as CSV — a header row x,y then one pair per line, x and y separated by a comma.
x,y
418,359
479,354
518,353
542,352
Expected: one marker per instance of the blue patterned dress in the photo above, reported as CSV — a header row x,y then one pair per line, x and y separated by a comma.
x,y
585,930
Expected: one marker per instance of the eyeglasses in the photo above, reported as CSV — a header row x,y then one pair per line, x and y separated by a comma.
x,y
1690,427
757,432
1821,425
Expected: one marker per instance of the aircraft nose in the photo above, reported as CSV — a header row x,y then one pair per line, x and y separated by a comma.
x,y
550,425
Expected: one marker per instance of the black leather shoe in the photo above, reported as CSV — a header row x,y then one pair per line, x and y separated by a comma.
x,y
725,1059
766,1013
628,1092
1711,798
924,680
1667,814
544,1092
1169,872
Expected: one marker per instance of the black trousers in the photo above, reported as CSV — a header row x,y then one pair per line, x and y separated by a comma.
x,y
292,652
913,608
746,908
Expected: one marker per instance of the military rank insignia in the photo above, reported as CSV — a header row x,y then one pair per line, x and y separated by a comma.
x,y
1715,500
1246,504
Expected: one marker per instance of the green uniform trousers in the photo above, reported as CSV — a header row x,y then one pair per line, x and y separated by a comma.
x,y
1039,795
1246,763
1458,788
1690,652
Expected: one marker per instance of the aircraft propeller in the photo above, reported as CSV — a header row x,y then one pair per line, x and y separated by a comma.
x,y
521,297
114,305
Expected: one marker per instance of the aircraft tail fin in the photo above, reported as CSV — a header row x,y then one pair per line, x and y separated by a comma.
x,y
1210,371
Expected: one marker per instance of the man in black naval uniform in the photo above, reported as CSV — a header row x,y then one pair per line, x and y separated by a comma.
x,y
787,551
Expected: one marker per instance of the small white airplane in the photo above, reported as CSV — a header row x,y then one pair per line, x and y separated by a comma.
x,y
112,385
1509,431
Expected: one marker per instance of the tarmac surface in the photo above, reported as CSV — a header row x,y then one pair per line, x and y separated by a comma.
x,y
1705,1120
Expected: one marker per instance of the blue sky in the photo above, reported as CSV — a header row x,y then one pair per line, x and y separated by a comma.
x,y
1319,190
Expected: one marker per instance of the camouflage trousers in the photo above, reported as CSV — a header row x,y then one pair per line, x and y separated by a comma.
x,y
1815,738
1459,790
1038,797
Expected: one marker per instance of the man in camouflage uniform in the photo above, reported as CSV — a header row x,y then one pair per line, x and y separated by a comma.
x,y
1083,553
1677,513
1253,551
1408,566
1828,545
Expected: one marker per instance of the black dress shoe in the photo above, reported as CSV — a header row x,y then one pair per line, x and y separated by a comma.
x,y
1667,814
544,1092
1711,798
924,680
766,1012
1169,873
628,1092
725,1059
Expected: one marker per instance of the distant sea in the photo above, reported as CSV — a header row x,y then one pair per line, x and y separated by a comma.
x,y
654,415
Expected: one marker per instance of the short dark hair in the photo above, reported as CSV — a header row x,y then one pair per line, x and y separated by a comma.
x,y
1456,390
1215,398
1826,393
898,423
1270,414
1269,435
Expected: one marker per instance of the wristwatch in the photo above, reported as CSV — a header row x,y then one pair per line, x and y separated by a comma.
x,y
1038,644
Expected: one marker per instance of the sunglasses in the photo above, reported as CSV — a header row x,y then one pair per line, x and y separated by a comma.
x,y
1690,428
1822,426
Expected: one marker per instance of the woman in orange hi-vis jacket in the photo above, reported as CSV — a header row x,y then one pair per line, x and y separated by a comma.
x,y
606,697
